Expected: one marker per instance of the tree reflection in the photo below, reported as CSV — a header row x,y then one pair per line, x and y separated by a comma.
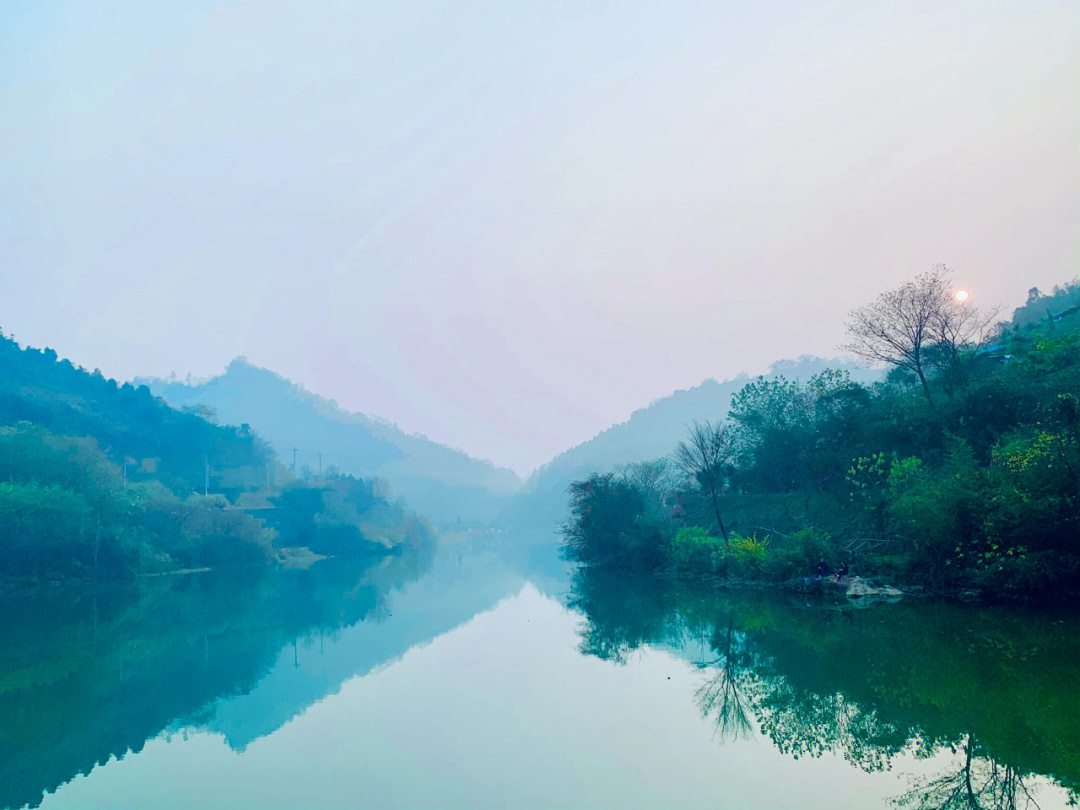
x,y
868,684
979,783
723,696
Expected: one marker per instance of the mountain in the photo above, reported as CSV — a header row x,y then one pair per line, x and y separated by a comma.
x,y
127,422
103,480
441,483
649,433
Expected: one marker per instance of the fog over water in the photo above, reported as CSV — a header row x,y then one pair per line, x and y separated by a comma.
x,y
508,226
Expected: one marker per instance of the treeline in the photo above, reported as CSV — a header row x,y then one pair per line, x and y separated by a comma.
x,y
100,480
65,509
961,470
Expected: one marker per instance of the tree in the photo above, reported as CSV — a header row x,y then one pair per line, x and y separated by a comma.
x,y
608,525
653,478
770,424
706,458
959,329
898,327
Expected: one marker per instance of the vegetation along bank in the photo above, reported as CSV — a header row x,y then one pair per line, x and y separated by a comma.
x,y
958,472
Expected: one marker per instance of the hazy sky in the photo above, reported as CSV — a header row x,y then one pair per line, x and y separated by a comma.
x,y
508,226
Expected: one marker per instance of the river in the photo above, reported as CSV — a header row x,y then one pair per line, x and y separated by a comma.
x,y
490,673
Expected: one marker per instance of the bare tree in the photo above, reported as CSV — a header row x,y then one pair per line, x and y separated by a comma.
x,y
960,329
706,457
653,478
898,327
723,695
978,783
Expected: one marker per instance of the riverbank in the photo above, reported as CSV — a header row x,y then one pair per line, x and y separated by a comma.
x,y
857,588
288,558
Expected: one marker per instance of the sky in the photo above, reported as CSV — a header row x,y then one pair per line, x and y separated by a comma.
x,y
509,225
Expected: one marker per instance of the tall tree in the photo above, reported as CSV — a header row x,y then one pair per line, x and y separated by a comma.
x,y
706,458
959,329
901,324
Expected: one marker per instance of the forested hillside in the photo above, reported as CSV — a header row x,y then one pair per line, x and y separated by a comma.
x,y
99,479
129,424
649,433
961,470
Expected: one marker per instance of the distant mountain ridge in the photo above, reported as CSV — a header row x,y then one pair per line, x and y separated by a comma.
x,y
440,482
650,432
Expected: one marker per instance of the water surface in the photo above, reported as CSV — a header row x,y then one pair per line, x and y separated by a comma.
x,y
491,675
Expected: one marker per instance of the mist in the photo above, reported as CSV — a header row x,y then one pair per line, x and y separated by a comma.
x,y
508,226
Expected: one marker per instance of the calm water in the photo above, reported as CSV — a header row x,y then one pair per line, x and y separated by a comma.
x,y
491,675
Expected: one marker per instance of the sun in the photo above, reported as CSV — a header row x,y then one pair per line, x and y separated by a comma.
x,y
961,295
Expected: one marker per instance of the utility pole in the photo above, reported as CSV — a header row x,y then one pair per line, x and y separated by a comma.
x,y
320,465
294,462
206,482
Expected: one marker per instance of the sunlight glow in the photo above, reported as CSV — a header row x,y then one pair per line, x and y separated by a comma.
x,y
961,295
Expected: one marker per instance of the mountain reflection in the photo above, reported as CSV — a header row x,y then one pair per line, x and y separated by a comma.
x,y
88,675
992,690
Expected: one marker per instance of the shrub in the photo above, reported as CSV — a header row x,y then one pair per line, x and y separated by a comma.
x,y
935,511
748,556
799,554
694,550
1045,573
